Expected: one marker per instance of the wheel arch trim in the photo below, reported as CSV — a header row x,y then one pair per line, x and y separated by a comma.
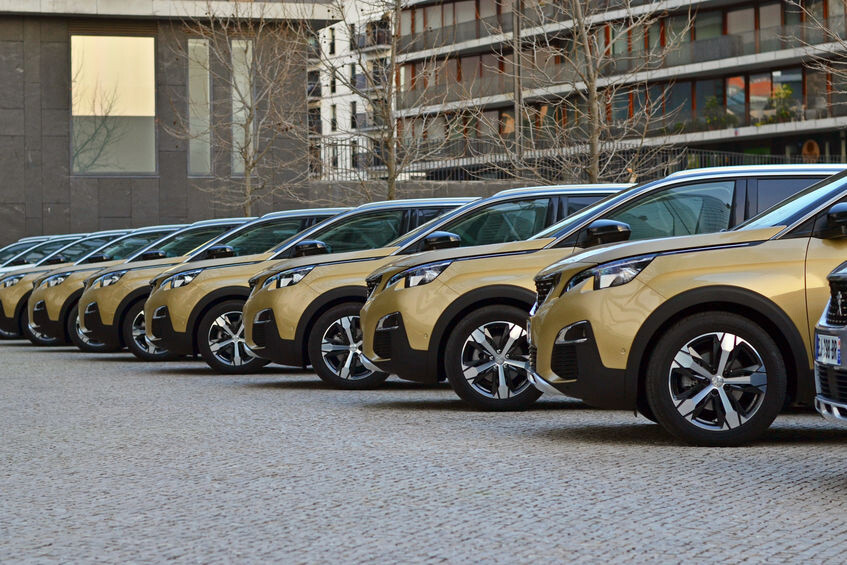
x,y
317,307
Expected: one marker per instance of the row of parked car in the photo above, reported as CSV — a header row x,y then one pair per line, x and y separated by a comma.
x,y
692,300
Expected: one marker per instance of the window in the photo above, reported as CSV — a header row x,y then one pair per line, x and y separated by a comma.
x,y
41,251
680,210
406,22
354,153
333,118
708,25
199,108
760,92
709,98
332,41
678,102
354,121
333,80
735,101
577,203
351,32
500,223
242,102
183,243
12,250
113,105
352,73
368,231
770,15
740,21
84,247
126,246
263,237
770,191
334,155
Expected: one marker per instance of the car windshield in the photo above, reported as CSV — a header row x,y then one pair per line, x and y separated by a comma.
x,y
126,246
262,236
41,251
184,242
566,225
80,248
800,205
14,249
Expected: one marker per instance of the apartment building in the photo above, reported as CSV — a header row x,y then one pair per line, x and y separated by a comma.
x,y
736,80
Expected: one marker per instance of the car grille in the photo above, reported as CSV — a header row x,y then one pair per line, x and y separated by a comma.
x,y
563,362
382,344
372,283
836,314
543,286
833,383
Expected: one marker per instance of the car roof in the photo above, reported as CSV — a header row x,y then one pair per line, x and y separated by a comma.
x,y
305,212
576,189
798,169
222,221
415,202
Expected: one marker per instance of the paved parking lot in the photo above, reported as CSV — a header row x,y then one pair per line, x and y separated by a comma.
x,y
105,458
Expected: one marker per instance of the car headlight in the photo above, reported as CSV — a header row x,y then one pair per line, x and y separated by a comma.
x,y
11,281
611,274
422,274
54,280
108,279
289,277
180,279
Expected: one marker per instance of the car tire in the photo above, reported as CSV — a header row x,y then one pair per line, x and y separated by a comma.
x,y
79,339
716,379
220,340
487,359
9,335
32,335
135,338
335,349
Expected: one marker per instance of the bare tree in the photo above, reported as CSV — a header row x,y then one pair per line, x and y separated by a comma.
x,y
257,128
388,147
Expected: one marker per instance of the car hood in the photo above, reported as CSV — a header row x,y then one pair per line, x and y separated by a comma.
x,y
407,261
349,256
132,265
30,270
55,269
216,263
615,251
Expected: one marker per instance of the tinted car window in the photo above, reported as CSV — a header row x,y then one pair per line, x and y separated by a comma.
x,y
40,252
262,237
13,250
180,244
515,220
84,247
125,247
366,231
576,203
771,191
424,215
681,210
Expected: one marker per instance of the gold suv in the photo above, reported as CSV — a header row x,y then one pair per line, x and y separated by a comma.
x,y
196,307
307,310
708,335
110,309
51,307
462,313
16,286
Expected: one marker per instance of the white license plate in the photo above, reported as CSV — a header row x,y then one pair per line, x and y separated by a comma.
x,y
828,349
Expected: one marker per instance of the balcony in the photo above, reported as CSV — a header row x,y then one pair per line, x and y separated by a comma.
x,y
437,94
372,38
365,121
465,31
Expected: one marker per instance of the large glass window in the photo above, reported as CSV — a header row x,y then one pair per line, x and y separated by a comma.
x,y
242,102
740,20
507,221
113,105
681,210
736,104
760,92
368,231
708,25
199,108
709,99
678,102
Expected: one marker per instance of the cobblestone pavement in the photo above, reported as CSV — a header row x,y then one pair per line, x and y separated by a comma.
x,y
104,458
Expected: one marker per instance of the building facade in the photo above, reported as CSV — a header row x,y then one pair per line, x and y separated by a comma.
x,y
89,96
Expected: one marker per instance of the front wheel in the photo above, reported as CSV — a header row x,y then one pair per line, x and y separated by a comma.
x,y
33,334
78,337
221,343
135,336
335,350
487,359
716,379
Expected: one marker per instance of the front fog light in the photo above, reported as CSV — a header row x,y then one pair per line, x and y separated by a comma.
x,y
573,334
389,322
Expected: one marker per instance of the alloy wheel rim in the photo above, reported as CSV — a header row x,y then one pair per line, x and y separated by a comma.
x,y
226,340
717,381
139,336
495,360
341,349
81,334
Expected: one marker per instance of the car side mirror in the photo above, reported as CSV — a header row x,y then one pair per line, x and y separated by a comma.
x,y
152,255
56,259
309,247
220,252
17,262
99,258
599,232
835,225
441,240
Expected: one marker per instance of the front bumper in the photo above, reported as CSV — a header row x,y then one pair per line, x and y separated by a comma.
x,y
393,354
41,321
266,342
92,325
160,330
